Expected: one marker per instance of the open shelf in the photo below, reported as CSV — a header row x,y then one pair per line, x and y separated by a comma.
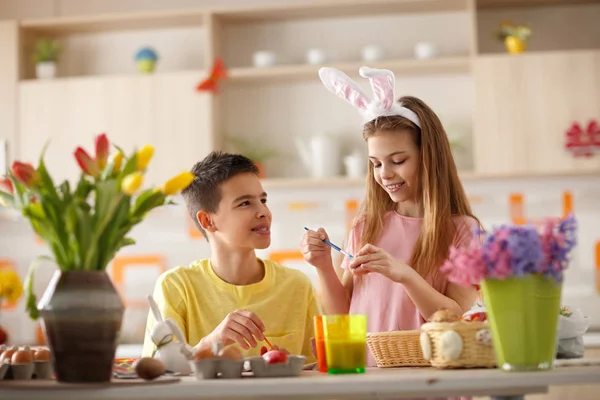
x,y
446,65
497,4
334,9
113,22
257,13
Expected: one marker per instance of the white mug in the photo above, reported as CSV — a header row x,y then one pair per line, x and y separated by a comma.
x,y
425,50
372,53
355,165
315,56
264,59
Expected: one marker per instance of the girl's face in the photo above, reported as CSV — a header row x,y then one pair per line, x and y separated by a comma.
x,y
395,158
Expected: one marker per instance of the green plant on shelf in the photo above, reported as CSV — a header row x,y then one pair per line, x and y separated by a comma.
x,y
256,152
46,50
508,29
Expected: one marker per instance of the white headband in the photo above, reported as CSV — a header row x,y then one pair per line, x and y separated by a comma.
x,y
382,85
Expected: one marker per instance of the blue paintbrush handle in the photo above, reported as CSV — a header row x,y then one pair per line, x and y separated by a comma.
x,y
333,245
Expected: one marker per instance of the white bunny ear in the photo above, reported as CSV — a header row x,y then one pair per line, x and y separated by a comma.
x,y
341,85
382,84
155,310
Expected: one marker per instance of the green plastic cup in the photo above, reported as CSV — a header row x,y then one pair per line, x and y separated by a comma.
x,y
345,343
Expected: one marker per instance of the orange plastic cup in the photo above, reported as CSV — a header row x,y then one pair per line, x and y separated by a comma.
x,y
320,343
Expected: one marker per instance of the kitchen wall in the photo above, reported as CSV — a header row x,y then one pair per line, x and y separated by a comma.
x,y
167,239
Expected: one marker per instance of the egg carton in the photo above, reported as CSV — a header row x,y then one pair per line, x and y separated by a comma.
x,y
212,368
26,371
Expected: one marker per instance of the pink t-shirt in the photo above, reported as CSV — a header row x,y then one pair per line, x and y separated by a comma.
x,y
385,302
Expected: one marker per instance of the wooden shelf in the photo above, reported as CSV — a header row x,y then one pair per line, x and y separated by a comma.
x,y
465,176
201,73
114,22
335,9
312,183
496,4
449,65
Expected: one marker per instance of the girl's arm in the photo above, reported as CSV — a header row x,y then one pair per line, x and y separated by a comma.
x,y
334,292
335,295
428,300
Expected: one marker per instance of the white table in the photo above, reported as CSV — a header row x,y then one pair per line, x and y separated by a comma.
x,y
376,383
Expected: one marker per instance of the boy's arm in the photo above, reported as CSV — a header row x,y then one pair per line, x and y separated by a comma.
x,y
170,303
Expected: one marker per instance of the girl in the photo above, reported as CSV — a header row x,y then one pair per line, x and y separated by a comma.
x,y
415,208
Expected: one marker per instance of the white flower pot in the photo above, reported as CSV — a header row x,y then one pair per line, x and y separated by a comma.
x,y
45,70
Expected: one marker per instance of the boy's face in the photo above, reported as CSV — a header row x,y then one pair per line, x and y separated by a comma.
x,y
242,220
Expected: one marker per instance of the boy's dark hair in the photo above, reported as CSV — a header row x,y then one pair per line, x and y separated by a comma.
x,y
204,193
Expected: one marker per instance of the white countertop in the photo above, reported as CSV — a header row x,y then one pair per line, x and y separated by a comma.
x,y
135,350
591,339
389,382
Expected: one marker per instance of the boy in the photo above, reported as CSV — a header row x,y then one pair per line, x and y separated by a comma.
x,y
233,296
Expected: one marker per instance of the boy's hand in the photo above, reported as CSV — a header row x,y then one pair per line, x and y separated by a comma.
x,y
315,251
241,327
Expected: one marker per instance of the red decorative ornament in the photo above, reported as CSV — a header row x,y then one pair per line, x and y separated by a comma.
x,y
583,143
210,84
3,336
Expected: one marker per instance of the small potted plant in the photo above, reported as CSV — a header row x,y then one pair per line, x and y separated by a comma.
x,y
45,58
145,60
514,37
520,269
257,153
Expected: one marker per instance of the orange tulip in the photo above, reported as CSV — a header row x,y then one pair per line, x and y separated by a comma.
x,y
102,148
25,173
86,163
6,185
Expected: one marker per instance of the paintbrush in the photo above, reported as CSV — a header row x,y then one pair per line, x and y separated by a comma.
x,y
334,246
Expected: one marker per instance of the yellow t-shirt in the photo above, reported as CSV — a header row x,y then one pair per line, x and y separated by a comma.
x,y
198,300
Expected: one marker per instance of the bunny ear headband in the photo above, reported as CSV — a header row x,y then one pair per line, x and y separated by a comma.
x,y
382,84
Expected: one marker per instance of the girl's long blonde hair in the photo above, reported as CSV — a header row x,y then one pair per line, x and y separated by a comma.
x,y
442,194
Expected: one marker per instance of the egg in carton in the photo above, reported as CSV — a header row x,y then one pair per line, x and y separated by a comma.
x,y
263,368
24,363
228,362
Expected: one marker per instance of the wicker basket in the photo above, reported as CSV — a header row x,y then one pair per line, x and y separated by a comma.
x,y
397,349
441,343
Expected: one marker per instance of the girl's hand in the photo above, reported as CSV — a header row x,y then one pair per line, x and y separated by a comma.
x,y
373,259
315,251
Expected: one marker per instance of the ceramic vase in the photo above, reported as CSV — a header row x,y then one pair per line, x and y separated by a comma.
x,y
514,45
523,315
81,314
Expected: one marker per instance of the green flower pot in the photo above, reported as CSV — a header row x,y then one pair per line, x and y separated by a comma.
x,y
523,315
